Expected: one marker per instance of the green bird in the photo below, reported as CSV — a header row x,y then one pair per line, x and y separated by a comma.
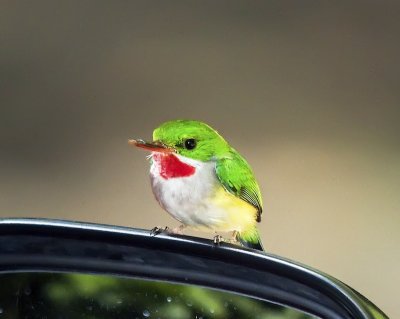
x,y
203,182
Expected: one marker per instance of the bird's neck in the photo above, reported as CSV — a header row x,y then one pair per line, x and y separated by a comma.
x,y
172,166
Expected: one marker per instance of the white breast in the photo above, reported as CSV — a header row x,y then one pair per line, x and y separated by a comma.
x,y
188,199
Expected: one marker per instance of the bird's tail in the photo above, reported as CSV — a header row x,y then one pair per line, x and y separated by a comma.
x,y
250,238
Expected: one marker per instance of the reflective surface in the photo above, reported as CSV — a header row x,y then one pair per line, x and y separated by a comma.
x,y
65,295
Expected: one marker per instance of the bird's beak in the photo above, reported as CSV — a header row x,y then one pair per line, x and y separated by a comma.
x,y
155,146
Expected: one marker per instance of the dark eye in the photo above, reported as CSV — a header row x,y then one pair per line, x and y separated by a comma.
x,y
190,143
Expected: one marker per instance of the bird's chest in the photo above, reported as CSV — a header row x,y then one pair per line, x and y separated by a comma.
x,y
182,186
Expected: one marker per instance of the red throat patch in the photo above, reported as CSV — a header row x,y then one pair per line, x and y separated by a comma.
x,y
171,167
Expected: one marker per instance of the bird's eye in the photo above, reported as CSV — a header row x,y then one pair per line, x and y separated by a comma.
x,y
190,143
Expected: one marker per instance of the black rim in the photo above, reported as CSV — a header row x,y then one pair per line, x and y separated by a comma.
x,y
47,245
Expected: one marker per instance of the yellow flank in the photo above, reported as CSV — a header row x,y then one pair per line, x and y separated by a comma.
x,y
241,216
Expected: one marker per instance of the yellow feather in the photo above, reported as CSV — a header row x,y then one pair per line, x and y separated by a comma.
x,y
241,215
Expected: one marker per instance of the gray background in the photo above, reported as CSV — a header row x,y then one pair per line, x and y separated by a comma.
x,y
307,91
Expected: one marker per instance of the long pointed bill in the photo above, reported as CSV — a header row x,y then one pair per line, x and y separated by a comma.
x,y
151,146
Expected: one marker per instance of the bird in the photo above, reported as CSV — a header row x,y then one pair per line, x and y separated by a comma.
x,y
203,182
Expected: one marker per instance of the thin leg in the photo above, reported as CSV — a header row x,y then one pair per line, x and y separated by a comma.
x,y
234,239
177,230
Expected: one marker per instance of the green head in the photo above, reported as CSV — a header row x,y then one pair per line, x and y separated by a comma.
x,y
193,139
189,138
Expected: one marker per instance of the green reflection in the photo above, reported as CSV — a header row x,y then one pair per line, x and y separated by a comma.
x,y
68,295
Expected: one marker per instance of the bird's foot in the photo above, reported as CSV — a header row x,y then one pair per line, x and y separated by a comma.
x,y
234,238
158,230
218,239
166,230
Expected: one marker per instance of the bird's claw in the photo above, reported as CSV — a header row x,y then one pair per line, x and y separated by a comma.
x,y
218,239
158,230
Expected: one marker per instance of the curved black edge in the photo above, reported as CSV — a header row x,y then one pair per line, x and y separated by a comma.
x,y
56,245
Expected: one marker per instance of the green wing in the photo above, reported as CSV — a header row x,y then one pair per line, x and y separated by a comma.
x,y
237,178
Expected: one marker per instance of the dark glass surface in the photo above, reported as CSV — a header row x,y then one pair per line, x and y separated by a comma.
x,y
72,295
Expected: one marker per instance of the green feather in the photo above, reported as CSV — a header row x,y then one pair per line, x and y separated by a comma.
x,y
236,177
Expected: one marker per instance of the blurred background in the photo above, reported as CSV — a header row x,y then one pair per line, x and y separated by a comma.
x,y
307,91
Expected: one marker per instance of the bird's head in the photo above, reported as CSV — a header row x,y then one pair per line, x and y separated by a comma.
x,y
189,138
